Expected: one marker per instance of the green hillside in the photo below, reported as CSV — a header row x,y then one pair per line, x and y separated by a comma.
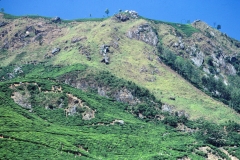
x,y
47,133
113,89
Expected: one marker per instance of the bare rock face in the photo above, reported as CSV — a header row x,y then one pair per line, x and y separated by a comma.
x,y
219,62
198,59
22,100
145,33
122,95
230,70
121,17
125,96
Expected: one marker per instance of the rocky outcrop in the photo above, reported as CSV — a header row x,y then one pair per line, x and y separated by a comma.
x,y
2,24
125,16
22,99
220,63
167,108
125,96
56,20
230,70
104,50
122,95
171,109
198,58
102,91
121,17
179,44
206,70
76,105
145,33
132,13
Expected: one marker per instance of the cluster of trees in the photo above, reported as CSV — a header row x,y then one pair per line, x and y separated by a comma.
x,y
182,66
219,135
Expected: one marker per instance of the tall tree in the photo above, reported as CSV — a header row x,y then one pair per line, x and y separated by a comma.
x,y
2,10
218,26
107,11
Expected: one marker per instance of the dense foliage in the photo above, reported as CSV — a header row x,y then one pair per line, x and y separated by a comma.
x,y
48,133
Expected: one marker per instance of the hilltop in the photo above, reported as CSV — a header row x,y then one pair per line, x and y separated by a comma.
x,y
103,82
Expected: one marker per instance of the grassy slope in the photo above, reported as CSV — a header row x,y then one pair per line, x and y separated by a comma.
x,y
127,61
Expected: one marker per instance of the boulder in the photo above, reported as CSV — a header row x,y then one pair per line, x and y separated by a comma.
x,y
56,50
121,122
145,33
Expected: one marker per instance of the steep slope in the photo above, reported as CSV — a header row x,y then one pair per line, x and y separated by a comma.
x,y
130,59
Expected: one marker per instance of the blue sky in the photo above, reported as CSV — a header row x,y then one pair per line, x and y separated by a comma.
x,y
223,12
